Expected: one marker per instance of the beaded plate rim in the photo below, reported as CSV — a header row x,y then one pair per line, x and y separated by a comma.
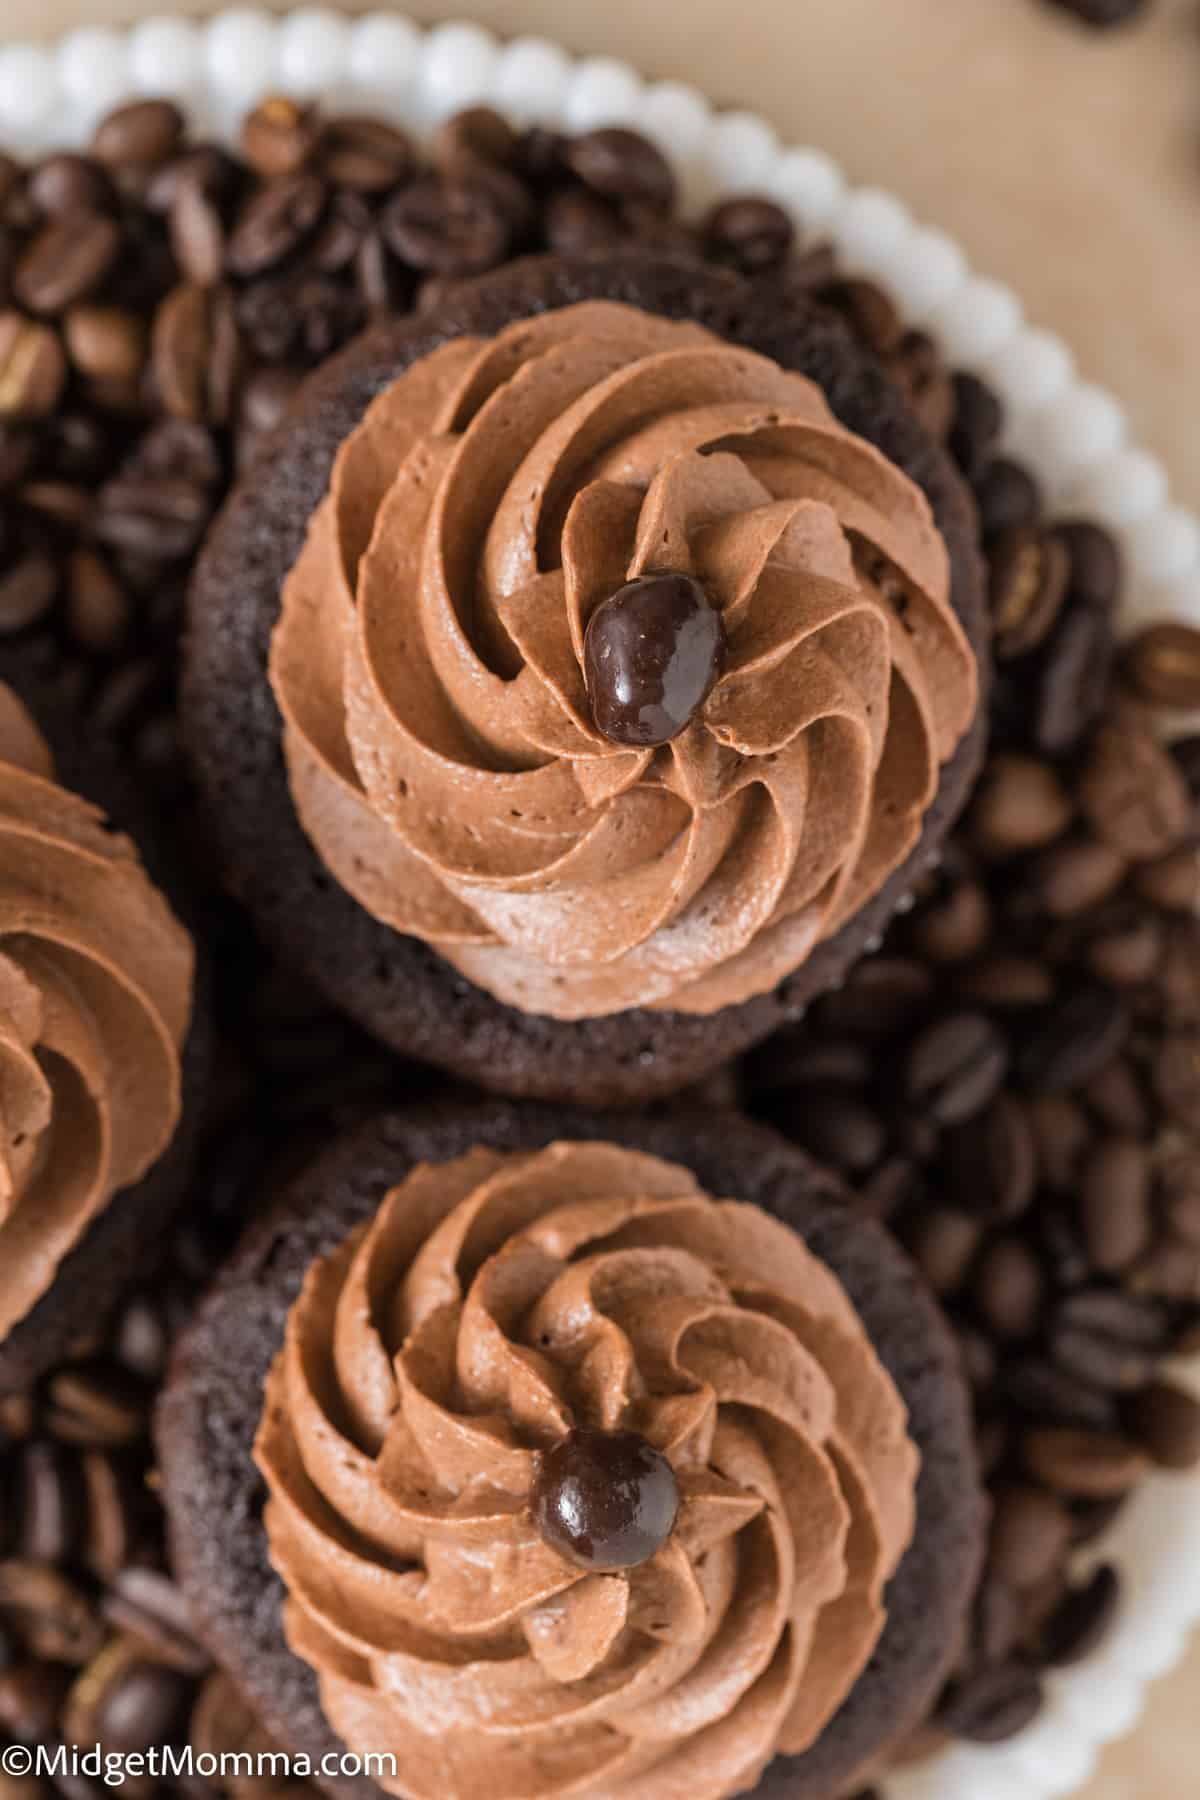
x,y
1073,433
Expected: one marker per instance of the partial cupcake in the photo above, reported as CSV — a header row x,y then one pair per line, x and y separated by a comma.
x,y
101,1053
625,641
579,1477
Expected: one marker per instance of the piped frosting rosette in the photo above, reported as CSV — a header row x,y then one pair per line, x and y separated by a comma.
x,y
95,999
429,665
493,1304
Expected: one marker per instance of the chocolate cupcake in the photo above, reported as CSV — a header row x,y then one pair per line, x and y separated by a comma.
x,y
577,1477
102,1049
581,680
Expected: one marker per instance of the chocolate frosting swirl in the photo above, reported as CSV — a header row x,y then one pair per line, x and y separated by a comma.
x,y
95,997
493,1303
428,663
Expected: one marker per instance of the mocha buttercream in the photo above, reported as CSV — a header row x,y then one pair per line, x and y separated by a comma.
x,y
428,662
493,1303
95,997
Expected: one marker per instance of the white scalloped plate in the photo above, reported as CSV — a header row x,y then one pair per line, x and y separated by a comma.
x,y
1071,433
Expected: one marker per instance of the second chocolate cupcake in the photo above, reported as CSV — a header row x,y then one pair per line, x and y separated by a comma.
x,y
581,1479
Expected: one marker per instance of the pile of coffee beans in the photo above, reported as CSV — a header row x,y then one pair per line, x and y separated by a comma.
x,y
1013,1082
95,1642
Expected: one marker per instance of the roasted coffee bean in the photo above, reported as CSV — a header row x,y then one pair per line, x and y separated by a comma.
x,y
368,156
116,1508
1028,573
1179,976
33,368
125,1702
1020,805
1076,876
1042,1390
1163,665
279,136
66,262
621,165
992,1705
1128,953
1030,1534
991,1161
1006,983
28,590
1117,1367
479,132
1074,1040
274,223
1177,1194
195,353
576,220
954,1067
141,135
162,518
750,233
955,926
173,449
1165,1421
348,222
894,1184
451,227
31,1694
882,997
998,1621
943,1242
1170,1271
1073,684
48,1499
1133,793
1097,569
1177,1078
149,1606
69,183
50,1613
1173,882
1007,497
977,424
197,232
105,343
917,367
1009,1288
1114,1203
1112,1313
96,1404
1083,1620
836,1127
1090,1464
796,1060
870,313
1116,1098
